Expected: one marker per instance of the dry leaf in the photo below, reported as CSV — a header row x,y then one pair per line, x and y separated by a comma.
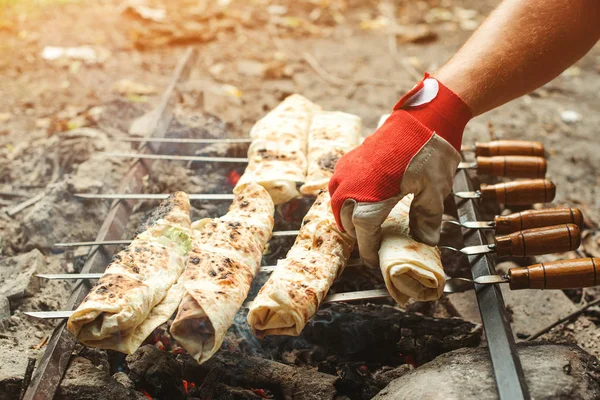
x,y
128,87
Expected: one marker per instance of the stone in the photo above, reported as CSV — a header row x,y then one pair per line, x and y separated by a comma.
x,y
552,371
17,278
156,372
4,308
59,217
233,372
124,380
84,380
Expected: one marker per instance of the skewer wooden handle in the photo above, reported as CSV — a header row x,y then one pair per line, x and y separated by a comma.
x,y
537,241
509,148
564,274
512,166
528,219
520,192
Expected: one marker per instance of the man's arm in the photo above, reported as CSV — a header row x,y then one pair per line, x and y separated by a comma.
x,y
521,46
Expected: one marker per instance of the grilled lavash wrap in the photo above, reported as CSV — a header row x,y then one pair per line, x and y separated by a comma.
x,y
331,135
296,288
138,289
410,268
225,256
277,155
276,166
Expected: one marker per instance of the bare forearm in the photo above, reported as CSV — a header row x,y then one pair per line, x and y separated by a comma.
x,y
522,45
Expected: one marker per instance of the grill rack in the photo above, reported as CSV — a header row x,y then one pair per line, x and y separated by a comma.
x,y
507,367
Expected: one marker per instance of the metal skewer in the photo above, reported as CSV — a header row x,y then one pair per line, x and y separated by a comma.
x,y
512,166
332,298
143,196
185,140
529,242
562,274
177,158
504,224
98,275
523,192
125,242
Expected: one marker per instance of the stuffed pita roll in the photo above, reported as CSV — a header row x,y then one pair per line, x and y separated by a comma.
x,y
410,268
277,155
276,166
296,288
331,135
138,290
225,256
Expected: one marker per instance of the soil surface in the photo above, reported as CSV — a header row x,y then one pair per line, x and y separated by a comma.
x,y
57,115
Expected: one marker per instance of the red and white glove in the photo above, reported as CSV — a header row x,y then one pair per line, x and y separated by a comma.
x,y
415,151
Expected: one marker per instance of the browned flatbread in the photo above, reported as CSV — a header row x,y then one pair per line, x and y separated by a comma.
x,y
225,256
331,135
138,290
410,268
277,156
296,288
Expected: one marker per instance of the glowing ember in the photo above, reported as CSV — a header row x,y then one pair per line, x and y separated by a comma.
x,y
188,386
410,360
146,394
288,211
233,177
262,393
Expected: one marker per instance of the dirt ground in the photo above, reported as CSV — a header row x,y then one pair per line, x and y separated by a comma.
x,y
55,115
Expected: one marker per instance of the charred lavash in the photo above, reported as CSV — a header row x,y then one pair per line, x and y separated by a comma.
x,y
296,288
225,256
410,268
331,135
277,155
138,290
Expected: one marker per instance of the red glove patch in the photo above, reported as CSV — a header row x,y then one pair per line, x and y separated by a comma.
x,y
373,172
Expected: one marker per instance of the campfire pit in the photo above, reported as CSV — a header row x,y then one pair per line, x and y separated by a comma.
x,y
351,350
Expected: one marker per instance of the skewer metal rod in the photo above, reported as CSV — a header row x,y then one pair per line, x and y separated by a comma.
x,y
121,242
183,140
177,158
332,298
143,196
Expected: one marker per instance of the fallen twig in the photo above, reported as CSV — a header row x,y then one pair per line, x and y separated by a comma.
x,y
389,10
326,76
41,344
337,81
562,320
27,203
13,194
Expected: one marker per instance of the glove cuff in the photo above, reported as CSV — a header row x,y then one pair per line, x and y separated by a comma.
x,y
437,108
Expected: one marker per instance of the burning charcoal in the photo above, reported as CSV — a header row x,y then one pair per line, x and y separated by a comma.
x,y
85,381
551,371
377,333
354,385
385,376
17,275
124,380
243,372
224,392
359,278
156,372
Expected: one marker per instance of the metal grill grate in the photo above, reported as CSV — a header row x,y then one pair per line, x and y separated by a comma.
x,y
53,364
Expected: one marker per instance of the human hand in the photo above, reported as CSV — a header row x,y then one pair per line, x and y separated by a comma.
x,y
415,151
